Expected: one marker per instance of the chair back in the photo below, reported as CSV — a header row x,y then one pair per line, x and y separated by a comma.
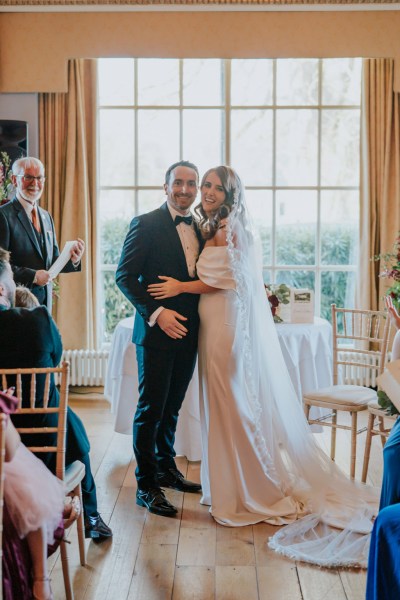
x,y
27,380
360,345
3,425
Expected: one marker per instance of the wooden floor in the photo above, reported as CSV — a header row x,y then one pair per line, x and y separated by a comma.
x,y
189,557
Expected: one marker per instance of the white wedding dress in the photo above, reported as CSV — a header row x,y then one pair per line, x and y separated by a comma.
x,y
260,461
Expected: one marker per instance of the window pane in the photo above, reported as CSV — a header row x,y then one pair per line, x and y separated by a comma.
x,y
202,82
267,276
117,147
297,82
337,287
150,199
202,138
260,207
115,306
158,81
340,147
341,81
297,147
116,81
251,82
296,220
297,279
251,145
117,209
112,237
339,227
158,147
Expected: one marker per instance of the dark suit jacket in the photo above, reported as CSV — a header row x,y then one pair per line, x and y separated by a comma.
x,y
152,247
18,236
30,338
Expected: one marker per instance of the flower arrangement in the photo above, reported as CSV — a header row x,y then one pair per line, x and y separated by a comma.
x,y
391,270
277,294
5,178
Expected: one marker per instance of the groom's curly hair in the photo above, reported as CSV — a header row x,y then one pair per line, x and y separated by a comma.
x,y
233,189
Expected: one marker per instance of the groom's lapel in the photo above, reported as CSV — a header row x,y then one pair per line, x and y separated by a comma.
x,y
174,240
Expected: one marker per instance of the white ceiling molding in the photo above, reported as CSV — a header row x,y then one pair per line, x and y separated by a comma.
x,y
196,5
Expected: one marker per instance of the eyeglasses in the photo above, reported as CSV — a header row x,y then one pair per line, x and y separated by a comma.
x,y
30,178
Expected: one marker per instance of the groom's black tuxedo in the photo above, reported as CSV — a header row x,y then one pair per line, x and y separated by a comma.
x,y
165,366
152,248
30,252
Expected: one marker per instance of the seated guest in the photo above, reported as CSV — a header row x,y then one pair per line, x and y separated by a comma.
x,y
390,493
34,518
24,298
30,338
383,577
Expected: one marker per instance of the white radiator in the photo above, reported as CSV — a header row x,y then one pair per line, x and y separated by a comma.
x,y
365,375
87,367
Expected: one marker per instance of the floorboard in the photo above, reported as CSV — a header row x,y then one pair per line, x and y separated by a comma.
x,y
189,557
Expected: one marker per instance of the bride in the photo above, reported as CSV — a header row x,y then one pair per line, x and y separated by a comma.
x,y
260,460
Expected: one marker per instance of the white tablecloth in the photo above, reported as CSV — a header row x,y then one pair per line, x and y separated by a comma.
x,y
307,350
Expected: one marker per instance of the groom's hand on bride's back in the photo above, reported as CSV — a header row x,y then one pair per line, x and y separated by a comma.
x,y
169,321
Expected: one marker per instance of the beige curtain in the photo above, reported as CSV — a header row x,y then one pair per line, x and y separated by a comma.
x,y
380,175
67,147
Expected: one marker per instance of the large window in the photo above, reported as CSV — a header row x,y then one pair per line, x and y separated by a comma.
x,y
290,127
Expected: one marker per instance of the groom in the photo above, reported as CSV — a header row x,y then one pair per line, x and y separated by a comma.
x,y
162,242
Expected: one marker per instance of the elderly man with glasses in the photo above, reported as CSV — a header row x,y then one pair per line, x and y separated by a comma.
x,y
27,231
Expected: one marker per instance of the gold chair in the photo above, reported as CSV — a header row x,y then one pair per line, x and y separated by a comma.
x,y
74,473
354,332
380,429
3,424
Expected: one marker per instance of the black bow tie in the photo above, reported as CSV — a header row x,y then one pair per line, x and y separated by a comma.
x,y
179,219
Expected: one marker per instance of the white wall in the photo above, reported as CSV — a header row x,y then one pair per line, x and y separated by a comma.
x,y
23,107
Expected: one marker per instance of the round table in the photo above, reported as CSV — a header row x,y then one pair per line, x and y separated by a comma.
x,y
306,348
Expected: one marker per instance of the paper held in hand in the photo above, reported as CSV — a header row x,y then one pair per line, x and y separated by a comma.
x,y
389,382
62,260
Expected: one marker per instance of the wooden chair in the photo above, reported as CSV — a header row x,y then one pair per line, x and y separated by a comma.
x,y
74,473
3,424
351,328
375,411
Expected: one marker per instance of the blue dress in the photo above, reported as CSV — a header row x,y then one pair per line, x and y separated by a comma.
x,y
383,577
390,493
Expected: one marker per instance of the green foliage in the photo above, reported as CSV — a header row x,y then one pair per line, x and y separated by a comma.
x,y
116,306
391,271
385,402
295,246
112,237
6,185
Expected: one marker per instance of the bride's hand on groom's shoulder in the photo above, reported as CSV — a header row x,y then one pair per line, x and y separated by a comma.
x,y
169,288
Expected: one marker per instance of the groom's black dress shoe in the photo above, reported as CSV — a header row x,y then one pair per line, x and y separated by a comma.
x,y
96,529
172,478
155,501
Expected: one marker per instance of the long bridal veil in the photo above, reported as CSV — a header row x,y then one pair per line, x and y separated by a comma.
x,y
335,531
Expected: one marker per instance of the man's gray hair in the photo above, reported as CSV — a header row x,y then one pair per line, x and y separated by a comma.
x,y
21,164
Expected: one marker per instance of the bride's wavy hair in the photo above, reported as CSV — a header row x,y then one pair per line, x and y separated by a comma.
x,y
234,193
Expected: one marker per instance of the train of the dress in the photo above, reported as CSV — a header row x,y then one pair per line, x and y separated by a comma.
x,y
340,512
